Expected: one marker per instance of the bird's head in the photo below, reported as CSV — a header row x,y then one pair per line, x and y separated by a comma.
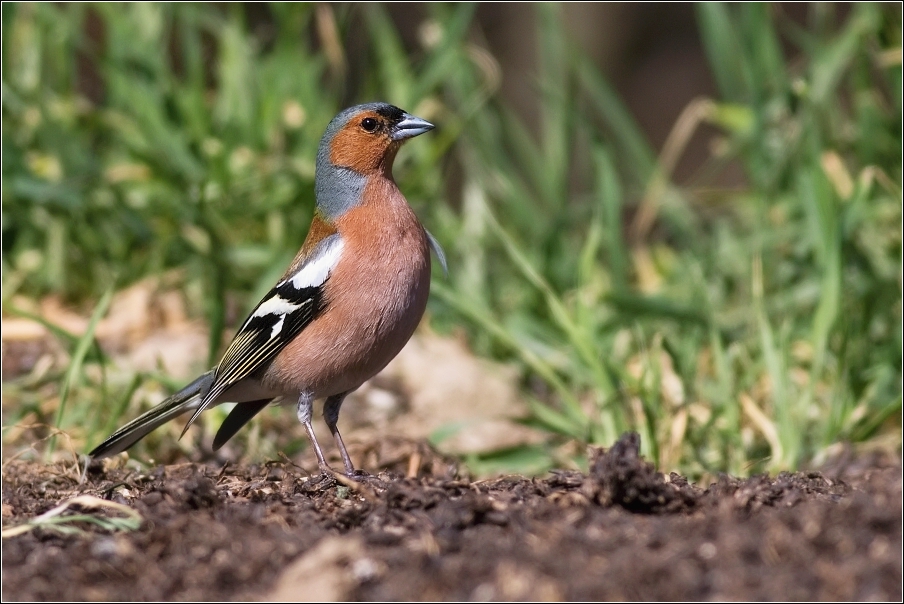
x,y
360,142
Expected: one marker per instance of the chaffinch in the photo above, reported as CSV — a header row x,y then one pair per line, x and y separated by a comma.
x,y
345,307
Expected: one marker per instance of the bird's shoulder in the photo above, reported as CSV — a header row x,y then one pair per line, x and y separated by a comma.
x,y
322,235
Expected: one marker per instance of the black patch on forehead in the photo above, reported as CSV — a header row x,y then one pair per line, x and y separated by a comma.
x,y
391,112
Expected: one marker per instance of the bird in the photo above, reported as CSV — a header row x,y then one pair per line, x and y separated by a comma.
x,y
347,304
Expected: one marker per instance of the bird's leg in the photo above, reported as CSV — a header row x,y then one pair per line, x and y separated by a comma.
x,y
331,417
305,410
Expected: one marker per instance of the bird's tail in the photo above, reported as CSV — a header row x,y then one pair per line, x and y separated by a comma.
x,y
183,401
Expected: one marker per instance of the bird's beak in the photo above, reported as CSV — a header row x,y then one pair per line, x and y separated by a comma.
x,y
409,127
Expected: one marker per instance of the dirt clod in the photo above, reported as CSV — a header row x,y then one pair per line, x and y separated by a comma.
x,y
620,477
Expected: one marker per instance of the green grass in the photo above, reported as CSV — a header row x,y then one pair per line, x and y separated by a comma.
x,y
737,330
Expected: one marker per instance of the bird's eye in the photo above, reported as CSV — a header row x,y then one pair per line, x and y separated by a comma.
x,y
369,124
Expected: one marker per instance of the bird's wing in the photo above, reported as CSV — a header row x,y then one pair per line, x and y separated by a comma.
x,y
277,319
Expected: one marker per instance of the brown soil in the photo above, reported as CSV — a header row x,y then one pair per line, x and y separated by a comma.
x,y
622,532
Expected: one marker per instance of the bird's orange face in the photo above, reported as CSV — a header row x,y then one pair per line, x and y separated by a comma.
x,y
365,144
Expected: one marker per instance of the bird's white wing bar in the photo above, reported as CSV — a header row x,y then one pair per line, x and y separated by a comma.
x,y
273,306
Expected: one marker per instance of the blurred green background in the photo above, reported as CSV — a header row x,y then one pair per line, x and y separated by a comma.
x,y
684,221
